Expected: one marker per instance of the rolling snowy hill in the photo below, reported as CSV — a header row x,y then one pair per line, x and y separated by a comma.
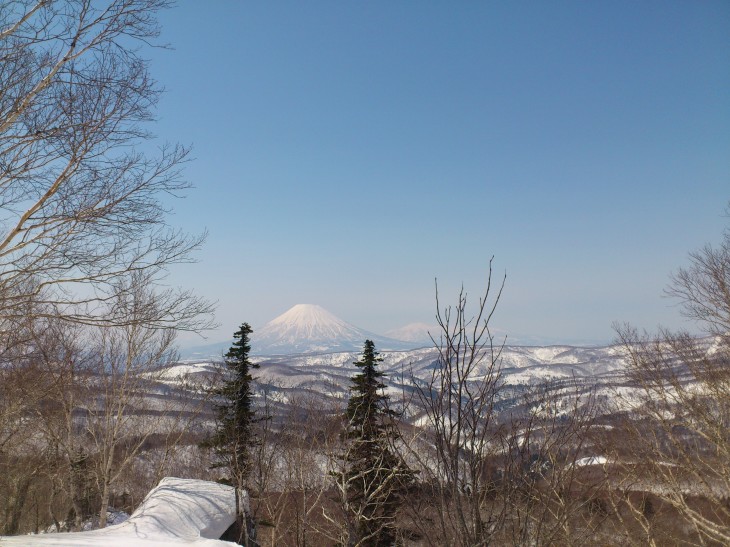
x,y
309,350
328,374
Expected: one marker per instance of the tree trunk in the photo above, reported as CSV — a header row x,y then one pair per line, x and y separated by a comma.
x,y
104,504
106,480
21,493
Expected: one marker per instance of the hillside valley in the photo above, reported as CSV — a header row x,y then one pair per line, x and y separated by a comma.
x,y
309,352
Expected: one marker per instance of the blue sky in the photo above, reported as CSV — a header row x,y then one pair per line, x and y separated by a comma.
x,y
349,153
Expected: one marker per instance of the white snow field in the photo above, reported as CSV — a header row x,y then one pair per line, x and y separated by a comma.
x,y
175,512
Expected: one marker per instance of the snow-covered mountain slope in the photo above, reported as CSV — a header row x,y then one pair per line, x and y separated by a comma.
x,y
571,371
520,366
328,374
308,349
563,369
309,328
415,333
304,328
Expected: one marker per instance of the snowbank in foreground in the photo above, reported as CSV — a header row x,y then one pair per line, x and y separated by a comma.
x,y
176,512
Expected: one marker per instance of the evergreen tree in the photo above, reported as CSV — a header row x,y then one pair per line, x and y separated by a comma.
x,y
233,438
375,478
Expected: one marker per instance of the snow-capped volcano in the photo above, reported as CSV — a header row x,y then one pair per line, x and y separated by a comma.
x,y
308,328
307,321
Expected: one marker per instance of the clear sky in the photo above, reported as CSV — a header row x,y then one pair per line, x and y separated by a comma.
x,y
348,153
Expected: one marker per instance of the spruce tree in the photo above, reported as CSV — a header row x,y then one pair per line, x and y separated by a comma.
x,y
375,478
233,438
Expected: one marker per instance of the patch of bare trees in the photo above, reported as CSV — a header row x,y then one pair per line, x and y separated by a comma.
x,y
84,247
102,417
81,206
495,466
678,446
292,495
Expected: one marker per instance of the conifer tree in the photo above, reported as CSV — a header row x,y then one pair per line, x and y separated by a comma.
x,y
375,477
233,439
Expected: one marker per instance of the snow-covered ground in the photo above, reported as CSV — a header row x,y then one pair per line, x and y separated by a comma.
x,y
591,460
176,512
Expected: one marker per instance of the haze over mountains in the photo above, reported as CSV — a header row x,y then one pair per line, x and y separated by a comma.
x,y
309,351
309,328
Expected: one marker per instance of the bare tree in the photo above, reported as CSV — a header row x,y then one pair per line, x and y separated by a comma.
x,y
23,386
22,460
679,448
83,221
66,369
703,288
552,496
80,204
459,401
104,403
498,464
290,478
121,412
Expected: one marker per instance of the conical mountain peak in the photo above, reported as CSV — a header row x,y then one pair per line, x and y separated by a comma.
x,y
309,328
307,315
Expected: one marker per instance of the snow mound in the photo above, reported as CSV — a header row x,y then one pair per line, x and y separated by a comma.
x,y
176,512
591,460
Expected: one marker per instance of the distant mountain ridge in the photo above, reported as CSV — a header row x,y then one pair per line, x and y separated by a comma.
x,y
418,334
577,371
304,329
